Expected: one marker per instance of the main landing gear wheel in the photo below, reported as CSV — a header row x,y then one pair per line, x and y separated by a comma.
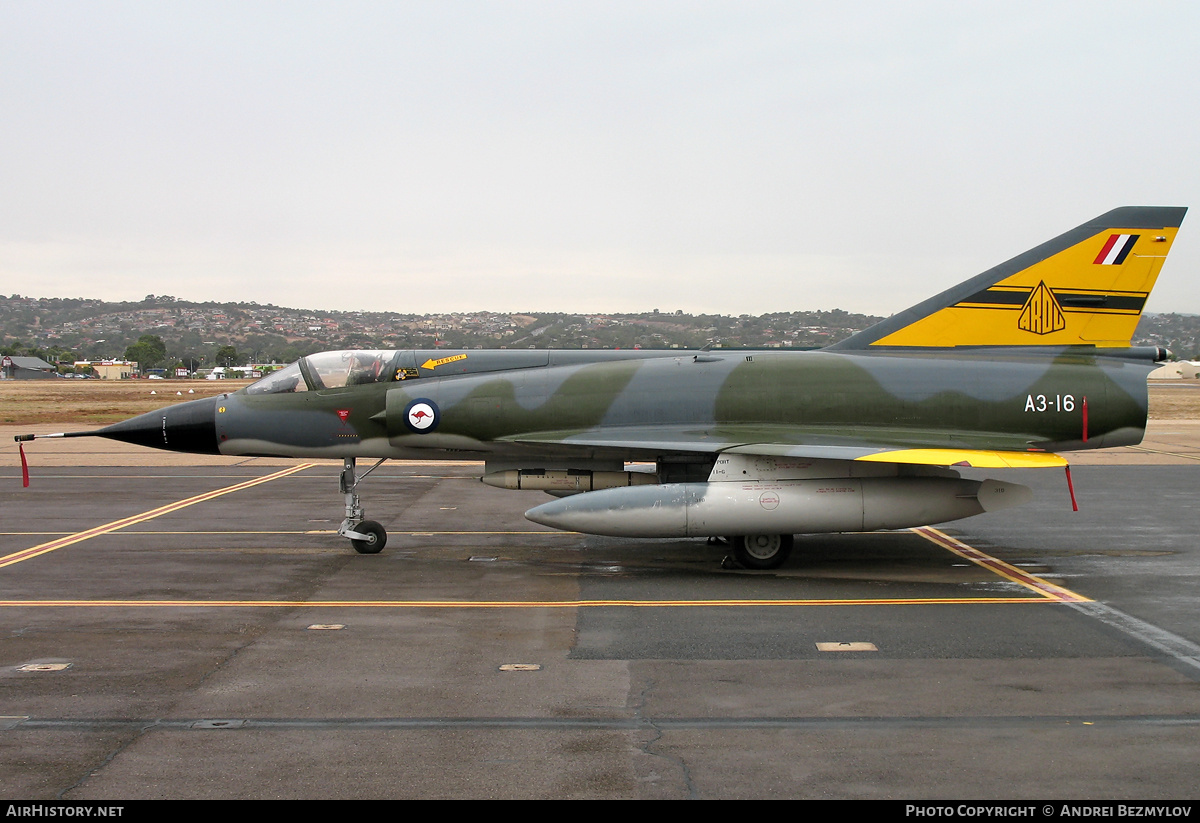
x,y
761,551
375,538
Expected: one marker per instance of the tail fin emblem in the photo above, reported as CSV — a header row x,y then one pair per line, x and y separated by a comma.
x,y
1041,313
1116,249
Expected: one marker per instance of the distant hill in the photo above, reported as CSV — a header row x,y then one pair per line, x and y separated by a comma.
x,y
82,328
92,329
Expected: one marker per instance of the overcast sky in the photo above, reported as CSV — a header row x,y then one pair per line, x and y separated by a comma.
x,y
714,157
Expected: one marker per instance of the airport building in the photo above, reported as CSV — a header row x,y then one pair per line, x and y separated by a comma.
x,y
26,368
110,369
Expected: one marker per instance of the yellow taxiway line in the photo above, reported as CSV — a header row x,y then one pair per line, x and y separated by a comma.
x,y
511,604
1048,590
523,533
1164,451
79,537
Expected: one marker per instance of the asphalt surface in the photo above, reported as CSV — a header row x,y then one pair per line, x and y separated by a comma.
x,y
234,647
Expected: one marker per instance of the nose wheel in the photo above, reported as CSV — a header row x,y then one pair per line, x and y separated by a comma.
x,y
366,536
373,537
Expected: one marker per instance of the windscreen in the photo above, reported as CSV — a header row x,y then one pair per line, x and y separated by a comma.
x,y
288,379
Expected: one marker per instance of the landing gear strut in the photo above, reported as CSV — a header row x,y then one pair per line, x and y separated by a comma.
x,y
366,536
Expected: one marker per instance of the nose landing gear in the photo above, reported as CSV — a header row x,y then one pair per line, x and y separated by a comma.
x,y
366,536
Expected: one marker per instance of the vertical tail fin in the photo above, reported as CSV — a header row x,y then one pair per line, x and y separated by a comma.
x,y
1084,287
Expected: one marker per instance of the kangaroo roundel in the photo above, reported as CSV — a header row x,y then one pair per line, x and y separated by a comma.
x,y
422,415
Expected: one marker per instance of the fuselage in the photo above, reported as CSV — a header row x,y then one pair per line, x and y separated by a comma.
x,y
514,402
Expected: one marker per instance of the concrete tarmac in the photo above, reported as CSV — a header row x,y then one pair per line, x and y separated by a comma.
x,y
177,631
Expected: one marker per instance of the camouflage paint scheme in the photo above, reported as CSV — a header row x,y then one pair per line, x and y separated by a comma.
x,y
817,404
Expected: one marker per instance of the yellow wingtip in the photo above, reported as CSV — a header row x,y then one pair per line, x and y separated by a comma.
x,y
970,458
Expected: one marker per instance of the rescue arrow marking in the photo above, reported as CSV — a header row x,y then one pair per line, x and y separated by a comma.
x,y
441,361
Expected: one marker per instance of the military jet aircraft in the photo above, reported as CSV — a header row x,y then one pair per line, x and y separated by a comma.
x,y
1027,359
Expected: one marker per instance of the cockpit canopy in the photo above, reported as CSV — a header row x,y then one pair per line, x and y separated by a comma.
x,y
334,369
353,367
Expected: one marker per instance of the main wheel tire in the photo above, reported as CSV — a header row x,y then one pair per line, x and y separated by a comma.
x,y
376,538
762,551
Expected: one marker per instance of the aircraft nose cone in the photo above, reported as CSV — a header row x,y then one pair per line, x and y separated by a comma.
x,y
185,427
